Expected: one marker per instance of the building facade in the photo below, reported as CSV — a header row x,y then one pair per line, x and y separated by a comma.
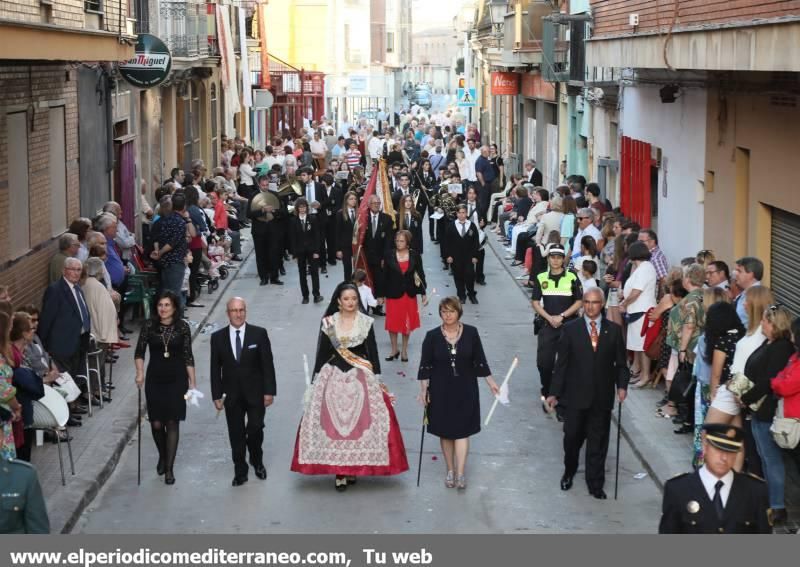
x,y
55,59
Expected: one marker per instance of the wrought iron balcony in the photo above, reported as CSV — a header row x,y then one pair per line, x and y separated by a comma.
x,y
187,28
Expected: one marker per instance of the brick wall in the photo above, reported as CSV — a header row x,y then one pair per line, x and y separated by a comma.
x,y
67,13
611,16
27,275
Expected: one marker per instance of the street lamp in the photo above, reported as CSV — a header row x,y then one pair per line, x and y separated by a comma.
x,y
497,14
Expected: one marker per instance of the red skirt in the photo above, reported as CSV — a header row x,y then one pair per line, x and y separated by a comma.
x,y
402,314
343,430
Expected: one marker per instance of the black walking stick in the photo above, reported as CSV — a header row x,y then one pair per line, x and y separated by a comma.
x,y
139,421
422,438
619,435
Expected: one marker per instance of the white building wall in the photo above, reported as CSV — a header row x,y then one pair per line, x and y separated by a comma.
x,y
679,129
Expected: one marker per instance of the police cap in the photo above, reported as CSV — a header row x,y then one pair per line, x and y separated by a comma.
x,y
724,437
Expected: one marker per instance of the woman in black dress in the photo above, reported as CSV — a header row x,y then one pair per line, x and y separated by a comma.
x,y
452,360
345,223
407,218
170,374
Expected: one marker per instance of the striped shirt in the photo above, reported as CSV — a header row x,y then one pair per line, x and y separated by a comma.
x,y
353,158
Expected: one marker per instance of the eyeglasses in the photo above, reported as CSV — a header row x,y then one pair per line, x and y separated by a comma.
x,y
583,218
711,272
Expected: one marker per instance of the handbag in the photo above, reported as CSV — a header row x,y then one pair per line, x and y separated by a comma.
x,y
785,430
67,387
654,334
683,384
739,385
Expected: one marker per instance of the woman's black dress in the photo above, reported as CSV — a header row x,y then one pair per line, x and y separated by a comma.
x,y
454,411
167,380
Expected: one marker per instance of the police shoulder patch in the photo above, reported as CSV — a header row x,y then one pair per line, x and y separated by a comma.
x,y
545,284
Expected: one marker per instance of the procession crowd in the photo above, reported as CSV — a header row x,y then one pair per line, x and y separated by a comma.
x,y
726,353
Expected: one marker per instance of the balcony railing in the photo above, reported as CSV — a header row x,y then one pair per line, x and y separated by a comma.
x,y
188,28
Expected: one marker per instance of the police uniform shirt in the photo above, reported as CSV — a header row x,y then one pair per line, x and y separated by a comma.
x,y
710,481
22,507
556,293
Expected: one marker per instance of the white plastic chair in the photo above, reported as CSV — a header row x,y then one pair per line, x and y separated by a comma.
x,y
51,413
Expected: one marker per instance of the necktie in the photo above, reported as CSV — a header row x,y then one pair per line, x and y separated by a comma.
x,y
470,211
374,225
352,215
238,345
463,226
84,311
593,335
408,219
718,499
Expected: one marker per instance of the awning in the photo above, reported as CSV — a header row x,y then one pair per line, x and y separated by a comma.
x,y
50,43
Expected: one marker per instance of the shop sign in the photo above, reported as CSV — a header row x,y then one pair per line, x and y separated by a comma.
x,y
505,83
150,65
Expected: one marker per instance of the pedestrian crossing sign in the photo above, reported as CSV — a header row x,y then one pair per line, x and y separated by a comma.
x,y
467,97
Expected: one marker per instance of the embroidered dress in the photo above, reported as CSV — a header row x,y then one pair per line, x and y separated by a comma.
x,y
7,392
349,426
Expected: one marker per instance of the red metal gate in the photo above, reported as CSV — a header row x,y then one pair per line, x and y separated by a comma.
x,y
298,94
636,161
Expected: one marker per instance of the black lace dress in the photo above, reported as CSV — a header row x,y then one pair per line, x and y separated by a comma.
x,y
167,379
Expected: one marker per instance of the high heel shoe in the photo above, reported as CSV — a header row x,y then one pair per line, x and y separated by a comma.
x,y
404,358
461,482
450,480
169,478
642,384
391,357
160,467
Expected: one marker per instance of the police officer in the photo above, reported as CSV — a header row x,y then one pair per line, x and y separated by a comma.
x,y
22,509
557,297
714,499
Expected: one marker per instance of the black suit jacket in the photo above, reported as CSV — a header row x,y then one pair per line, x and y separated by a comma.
x,y
308,240
320,196
584,378
344,232
415,228
536,177
333,201
461,249
398,283
383,241
687,509
277,225
60,322
249,379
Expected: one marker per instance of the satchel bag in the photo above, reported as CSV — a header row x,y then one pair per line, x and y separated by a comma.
x,y
785,430
683,384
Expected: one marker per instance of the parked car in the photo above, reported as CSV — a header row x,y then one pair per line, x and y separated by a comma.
x,y
422,96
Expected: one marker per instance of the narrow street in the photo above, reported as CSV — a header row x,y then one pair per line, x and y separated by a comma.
x,y
513,473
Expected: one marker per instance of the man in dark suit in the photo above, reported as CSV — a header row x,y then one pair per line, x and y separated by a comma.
x,y
378,240
318,201
243,382
715,499
590,367
305,241
268,234
64,323
462,254
332,203
533,174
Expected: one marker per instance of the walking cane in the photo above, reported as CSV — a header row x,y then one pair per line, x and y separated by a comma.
x,y
619,435
139,420
422,438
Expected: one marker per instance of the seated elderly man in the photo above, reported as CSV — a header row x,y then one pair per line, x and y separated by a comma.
x,y
124,239
68,247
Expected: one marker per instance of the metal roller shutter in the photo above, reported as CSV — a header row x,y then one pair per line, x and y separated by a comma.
x,y
785,259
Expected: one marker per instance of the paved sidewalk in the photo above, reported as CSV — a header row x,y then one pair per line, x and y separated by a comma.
x,y
663,454
97,445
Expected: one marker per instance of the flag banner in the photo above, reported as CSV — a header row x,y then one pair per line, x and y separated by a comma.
x,y
362,224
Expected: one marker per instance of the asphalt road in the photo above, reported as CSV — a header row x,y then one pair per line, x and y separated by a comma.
x,y
513,472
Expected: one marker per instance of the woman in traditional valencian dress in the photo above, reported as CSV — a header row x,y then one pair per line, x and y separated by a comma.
x,y
349,428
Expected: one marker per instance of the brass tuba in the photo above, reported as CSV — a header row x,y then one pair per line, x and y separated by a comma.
x,y
265,199
292,185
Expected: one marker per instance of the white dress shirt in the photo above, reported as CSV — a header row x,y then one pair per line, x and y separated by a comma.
x,y
709,480
311,196
232,333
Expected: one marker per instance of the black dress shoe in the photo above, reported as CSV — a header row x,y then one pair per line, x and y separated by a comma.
x,y
305,301
78,411
598,493
324,270
277,282
239,480
236,258
318,299
282,270
263,281
473,300
261,472
72,422
566,482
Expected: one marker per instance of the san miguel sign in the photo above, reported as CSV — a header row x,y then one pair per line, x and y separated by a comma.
x,y
150,65
505,83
